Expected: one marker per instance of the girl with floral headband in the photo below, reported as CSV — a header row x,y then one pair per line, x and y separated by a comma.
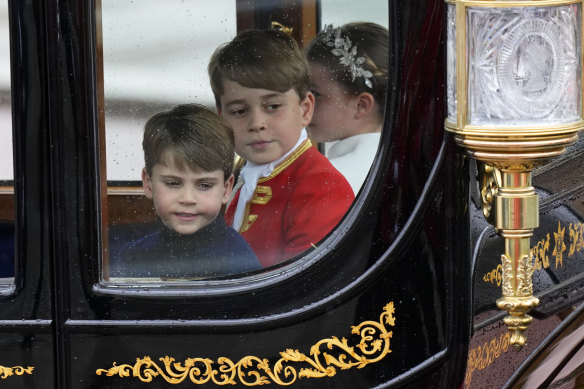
x,y
349,68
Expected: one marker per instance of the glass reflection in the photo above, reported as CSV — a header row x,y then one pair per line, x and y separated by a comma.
x,y
151,65
6,161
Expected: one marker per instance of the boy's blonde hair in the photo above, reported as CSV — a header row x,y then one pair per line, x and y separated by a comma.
x,y
260,59
195,137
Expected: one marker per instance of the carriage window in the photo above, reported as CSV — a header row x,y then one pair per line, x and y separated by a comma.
x,y
149,66
6,162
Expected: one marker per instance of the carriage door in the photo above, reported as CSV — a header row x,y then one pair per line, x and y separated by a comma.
x,y
381,300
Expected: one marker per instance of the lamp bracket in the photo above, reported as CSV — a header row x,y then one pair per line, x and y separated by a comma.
x,y
489,179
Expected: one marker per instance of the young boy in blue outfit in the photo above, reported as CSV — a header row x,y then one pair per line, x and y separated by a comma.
x,y
291,197
188,153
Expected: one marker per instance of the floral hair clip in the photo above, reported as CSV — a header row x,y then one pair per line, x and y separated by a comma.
x,y
346,52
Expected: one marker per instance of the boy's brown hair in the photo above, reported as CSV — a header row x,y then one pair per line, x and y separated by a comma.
x,y
193,135
260,59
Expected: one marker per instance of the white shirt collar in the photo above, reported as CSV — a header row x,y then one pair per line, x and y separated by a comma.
x,y
251,173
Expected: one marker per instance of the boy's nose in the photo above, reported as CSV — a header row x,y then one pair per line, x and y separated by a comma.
x,y
188,196
257,121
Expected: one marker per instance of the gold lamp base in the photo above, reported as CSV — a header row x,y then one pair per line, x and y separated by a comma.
x,y
517,321
515,206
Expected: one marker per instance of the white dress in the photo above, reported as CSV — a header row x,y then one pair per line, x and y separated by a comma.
x,y
353,157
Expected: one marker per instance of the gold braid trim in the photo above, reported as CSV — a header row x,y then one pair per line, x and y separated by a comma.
x,y
288,161
325,357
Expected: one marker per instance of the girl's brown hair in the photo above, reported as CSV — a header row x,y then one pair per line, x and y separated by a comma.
x,y
372,42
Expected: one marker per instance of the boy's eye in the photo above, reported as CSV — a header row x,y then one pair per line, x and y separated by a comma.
x,y
172,184
315,93
237,111
206,185
273,107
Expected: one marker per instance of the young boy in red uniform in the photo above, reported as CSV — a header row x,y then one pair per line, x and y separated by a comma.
x,y
292,196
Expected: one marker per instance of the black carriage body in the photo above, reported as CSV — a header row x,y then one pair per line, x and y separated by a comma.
x,y
399,268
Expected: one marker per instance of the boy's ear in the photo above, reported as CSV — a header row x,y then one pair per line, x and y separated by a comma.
x,y
147,183
365,103
228,188
307,108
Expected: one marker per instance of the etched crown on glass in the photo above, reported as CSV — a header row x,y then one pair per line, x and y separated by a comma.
x,y
508,82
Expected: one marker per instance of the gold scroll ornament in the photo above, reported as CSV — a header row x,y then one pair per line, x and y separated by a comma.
x,y
541,251
481,357
6,372
253,371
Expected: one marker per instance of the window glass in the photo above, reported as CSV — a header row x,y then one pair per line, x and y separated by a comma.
x,y
153,56
6,161
149,65
339,12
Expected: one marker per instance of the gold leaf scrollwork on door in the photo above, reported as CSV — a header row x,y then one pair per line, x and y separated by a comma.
x,y
482,356
569,242
494,276
325,357
6,372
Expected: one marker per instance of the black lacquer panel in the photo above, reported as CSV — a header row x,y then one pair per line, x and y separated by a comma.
x,y
405,240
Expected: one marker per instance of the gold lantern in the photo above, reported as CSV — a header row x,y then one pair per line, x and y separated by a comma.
x,y
514,102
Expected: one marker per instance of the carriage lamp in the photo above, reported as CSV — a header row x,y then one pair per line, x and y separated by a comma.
x,y
514,97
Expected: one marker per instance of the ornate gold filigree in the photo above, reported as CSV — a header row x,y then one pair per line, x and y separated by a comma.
x,y
6,372
568,243
495,275
517,297
560,246
481,357
576,238
524,273
507,275
518,285
541,251
253,371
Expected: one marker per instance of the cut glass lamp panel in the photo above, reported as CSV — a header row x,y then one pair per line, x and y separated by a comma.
x,y
451,62
524,65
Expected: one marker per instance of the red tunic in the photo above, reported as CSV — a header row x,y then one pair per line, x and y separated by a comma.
x,y
291,210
